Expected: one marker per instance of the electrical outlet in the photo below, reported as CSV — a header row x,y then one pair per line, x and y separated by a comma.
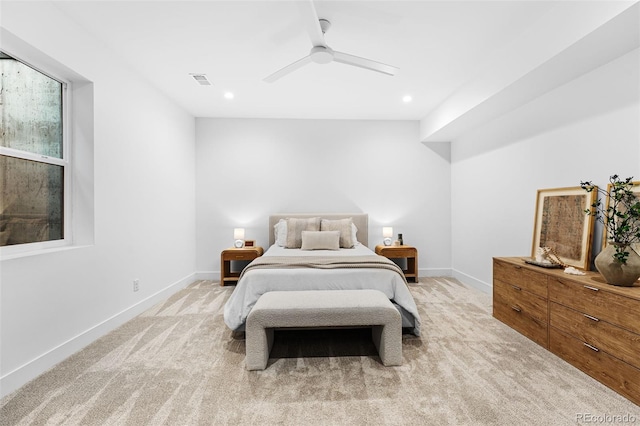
x,y
136,285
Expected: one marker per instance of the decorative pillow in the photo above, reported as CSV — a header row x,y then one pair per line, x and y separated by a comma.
x,y
320,240
295,226
342,225
280,232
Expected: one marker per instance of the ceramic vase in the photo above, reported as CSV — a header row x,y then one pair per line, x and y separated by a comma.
x,y
614,272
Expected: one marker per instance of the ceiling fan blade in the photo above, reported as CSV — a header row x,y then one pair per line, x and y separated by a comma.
x,y
357,61
288,69
311,22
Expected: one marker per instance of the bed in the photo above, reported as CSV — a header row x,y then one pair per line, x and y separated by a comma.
x,y
319,265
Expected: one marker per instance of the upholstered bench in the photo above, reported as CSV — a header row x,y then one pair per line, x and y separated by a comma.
x,y
323,308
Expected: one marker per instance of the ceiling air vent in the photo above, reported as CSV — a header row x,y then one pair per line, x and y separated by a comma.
x,y
201,79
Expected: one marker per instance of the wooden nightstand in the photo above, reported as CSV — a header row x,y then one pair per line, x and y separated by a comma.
x,y
231,254
402,252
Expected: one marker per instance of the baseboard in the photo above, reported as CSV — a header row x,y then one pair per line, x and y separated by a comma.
x,y
207,275
472,282
29,371
434,272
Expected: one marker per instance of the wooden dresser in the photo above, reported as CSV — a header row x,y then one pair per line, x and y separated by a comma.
x,y
590,324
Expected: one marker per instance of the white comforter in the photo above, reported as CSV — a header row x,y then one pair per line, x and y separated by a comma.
x,y
256,282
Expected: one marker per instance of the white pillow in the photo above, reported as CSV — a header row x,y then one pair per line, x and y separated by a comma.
x,y
320,240
280,232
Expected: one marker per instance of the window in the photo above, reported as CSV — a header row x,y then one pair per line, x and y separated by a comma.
x,y
33,163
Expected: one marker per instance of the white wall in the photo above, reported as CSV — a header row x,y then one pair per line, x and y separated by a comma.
x,y
587,129
52,304
250,168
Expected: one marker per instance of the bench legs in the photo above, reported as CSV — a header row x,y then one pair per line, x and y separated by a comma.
x,y
388,341
258,341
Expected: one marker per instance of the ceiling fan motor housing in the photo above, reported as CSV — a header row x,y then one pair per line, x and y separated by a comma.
x,y
321,54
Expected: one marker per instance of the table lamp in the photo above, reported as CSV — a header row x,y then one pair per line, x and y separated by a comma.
x,y
387,233
238,235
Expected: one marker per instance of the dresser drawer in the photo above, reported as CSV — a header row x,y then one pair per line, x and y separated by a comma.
x,y
520,276
605,305
612,372
521,316
528,303
609,338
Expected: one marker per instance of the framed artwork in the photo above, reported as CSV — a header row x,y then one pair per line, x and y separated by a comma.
x,y
561,224
636,190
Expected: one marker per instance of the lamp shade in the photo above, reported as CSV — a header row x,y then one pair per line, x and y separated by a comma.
x,y
238,234
387,231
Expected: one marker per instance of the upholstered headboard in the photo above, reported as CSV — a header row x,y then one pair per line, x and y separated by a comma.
x,y
361,220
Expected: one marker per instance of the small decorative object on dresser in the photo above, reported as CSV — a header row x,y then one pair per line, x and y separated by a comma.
x,y
619,261
588,323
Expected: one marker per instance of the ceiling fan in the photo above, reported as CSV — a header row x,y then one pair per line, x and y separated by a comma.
x,y
321,53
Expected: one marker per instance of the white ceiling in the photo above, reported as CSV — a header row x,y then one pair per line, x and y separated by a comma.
x,y
439,46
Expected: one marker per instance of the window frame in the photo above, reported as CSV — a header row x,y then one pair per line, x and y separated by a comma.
x,y
64,162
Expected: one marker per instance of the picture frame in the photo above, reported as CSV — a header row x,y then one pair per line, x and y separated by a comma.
x,y
562,224
636,190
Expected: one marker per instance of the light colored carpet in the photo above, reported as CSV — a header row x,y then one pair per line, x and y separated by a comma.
x,y
178,364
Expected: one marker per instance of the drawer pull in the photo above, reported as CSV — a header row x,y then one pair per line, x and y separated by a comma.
x,y
591,318
593,348
516,287
588,287
515,308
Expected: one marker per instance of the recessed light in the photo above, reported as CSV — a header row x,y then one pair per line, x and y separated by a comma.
x,y
407,99
228,95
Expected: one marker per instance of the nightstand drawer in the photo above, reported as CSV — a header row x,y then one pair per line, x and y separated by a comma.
x,y
522,314
397,252
621,343
520,276
596,301
612,372
239,256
